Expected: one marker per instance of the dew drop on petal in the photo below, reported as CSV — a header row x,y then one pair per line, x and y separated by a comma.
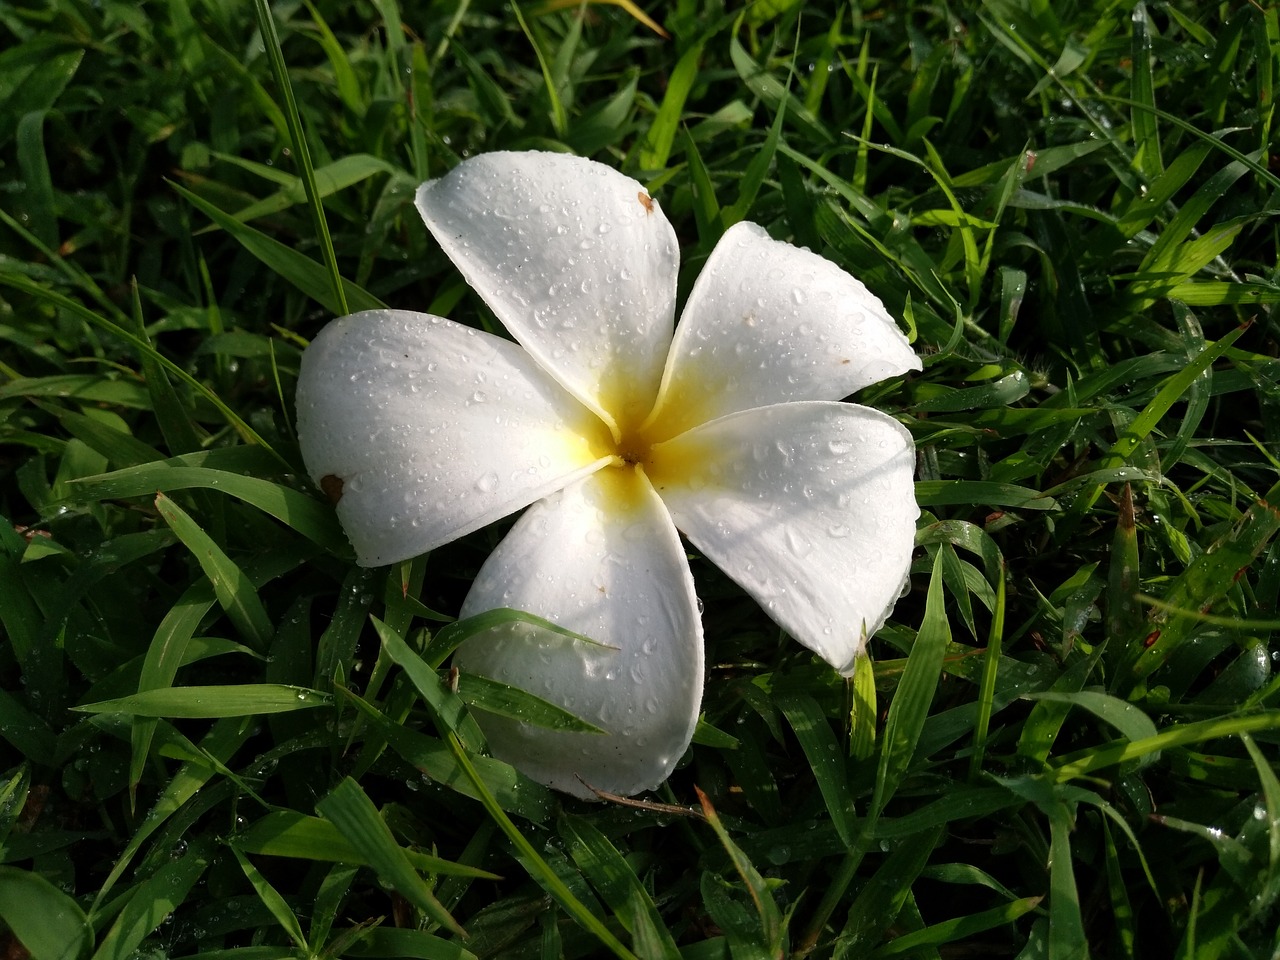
x,y
488,483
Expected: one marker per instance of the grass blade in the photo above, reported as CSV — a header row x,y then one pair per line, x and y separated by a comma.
x,y
621,889
271,40
349,809
911,701
235,591
45,921
539,868
285,833
225,700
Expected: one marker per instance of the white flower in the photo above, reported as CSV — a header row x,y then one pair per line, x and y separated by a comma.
x,y
619,434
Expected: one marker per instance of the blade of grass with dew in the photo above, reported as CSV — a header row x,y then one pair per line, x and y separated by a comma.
x,y
825,758
48,924
1067,938
223,740
611,875
450,637
863,711
990,672
771,90
226,700
164,655
153,901
559,117
1204,582
448,709
512,791
755,173
351,811
503,700
539,869
940,493
772,924
337,645
329,179
1146,132
179,431
1085,762
878,903
958,929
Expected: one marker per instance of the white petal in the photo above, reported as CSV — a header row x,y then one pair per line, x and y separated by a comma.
x,y
602,559
810,507
433,429
768,322
575,259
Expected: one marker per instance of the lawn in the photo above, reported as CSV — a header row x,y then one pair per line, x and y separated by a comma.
x,y
220,737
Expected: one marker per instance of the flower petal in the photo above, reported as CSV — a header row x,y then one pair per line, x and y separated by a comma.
x,y
426,430
809,506
768,322
600,558
576,260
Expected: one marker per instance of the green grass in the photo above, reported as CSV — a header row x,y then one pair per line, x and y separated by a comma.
x,y
1065,741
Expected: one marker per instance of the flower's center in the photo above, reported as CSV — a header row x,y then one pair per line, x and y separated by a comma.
x,y
641,450
638,447
635,449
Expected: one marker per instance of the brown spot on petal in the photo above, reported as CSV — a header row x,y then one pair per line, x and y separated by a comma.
x,y
646,201
332,487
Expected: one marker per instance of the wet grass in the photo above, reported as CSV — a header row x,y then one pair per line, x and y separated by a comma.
x,y
1065,743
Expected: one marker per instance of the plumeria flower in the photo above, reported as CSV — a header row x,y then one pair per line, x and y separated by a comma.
x,y
617,428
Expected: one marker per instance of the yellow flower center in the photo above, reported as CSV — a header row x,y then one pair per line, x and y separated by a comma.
x,y
641,449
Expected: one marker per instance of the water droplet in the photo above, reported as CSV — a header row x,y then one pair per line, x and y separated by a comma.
x,y
488,483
